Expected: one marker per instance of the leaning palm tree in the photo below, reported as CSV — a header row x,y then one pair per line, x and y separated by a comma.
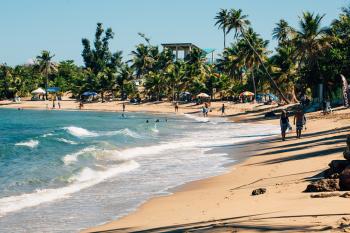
x,y
46,66
222,22
239,22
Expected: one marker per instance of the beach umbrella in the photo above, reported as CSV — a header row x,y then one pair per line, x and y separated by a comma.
x,y
247,93
203,95
89,93
39,91
53,89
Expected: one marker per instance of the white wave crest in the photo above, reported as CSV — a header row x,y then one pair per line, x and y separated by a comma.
x,y
125,132
80,132
30,143
67,141
47,135
86,178
71,158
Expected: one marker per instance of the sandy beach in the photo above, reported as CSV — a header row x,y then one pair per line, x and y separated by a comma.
x,y
151,107
224,203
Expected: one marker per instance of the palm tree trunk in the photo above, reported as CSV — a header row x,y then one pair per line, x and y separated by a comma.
x,y
224,38
254,85
265,69
173,92
46,81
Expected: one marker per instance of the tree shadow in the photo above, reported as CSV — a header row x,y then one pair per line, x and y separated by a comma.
x,y
244,223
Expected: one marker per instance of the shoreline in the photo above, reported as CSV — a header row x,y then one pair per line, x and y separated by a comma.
x,y
284,172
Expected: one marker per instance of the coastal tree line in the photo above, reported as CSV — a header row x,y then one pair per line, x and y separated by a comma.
x,y
306,56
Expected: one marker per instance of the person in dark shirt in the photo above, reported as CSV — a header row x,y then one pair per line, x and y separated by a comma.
x,y
284,123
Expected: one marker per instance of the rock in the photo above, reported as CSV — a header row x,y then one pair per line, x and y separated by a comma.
x,y
259,191
337,166
345,195
347,149
325,195
324,185
270,114
344,179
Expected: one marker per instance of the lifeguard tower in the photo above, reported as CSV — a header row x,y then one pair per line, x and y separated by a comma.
x,y
181,50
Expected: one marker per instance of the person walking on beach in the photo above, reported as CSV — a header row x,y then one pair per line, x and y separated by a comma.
x,y
176,107
203,110
123,107
299,121
284,123
223,110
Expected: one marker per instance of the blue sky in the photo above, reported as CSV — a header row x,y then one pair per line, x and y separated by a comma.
x,y
29,26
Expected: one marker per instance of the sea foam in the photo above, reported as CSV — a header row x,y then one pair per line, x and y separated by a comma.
x,y
30,143
67,141
71,158
80,132
85,179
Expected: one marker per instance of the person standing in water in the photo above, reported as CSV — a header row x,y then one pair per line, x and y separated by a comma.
x,y
284,123
299,121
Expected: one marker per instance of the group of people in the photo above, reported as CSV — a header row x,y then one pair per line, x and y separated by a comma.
x,y
299,122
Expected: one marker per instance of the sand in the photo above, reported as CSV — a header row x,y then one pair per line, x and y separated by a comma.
x,y
225,204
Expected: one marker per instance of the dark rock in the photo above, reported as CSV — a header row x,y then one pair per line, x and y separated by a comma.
x,y
324,185
259,191
337,166
347,149
329,174
344,179
345,195
270,114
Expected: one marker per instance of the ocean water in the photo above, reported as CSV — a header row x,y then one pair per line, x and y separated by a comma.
x,y
62,171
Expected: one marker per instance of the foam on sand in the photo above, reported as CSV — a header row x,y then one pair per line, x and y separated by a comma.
x,y
30,143
86,178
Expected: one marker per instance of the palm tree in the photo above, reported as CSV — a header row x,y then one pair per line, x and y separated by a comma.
x,y
231,62
46,66
222,21
252,57
125,75
239,22
311,38
141,61
283,32
284,67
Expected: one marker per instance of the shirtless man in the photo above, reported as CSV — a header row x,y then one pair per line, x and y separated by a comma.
x,y
299,121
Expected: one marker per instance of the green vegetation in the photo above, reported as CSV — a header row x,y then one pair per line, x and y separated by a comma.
x,y
305,57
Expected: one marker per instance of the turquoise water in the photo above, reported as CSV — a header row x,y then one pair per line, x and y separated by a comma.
x,y
64,171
